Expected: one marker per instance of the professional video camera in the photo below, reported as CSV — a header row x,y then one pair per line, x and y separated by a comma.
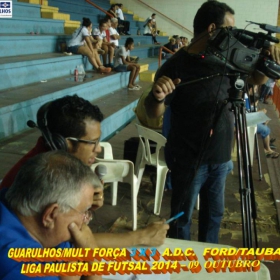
x,y
244,51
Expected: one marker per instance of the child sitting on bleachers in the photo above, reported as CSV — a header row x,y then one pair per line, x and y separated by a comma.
x,y
122,63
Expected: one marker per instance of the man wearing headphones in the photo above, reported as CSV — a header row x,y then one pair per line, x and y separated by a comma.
x,y
73,124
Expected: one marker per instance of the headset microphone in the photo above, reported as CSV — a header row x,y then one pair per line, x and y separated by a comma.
x,y
32,124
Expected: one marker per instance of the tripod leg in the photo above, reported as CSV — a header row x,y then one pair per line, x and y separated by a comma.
x,y
258,156
242,190
249,184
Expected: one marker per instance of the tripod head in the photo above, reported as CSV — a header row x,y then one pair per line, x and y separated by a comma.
x,y
236,93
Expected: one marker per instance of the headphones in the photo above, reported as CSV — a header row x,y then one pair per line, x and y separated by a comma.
x,y
54,140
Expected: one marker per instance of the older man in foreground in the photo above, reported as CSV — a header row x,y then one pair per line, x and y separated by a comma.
x,y
48,206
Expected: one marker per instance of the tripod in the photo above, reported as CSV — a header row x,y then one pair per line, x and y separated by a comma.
x,y
246,189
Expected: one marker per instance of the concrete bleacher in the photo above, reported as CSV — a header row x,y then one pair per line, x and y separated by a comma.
x,y
33,69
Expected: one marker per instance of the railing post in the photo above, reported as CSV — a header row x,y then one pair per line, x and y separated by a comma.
x,y
159,57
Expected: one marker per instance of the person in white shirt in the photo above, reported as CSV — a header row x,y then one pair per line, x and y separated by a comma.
x,y
153,20
82,43
122,21
107,47
150,31
122,63
114,35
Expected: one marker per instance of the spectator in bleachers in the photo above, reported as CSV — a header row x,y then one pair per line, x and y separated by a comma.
x,y
112,11
107,32
107,47
74,124
171,46
267,91
122,63
114,35
185,41
178,43
124,23
150,31
262,128
81,43
153,20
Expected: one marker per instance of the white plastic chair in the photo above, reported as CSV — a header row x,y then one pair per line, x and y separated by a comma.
x,y
156,159
119,171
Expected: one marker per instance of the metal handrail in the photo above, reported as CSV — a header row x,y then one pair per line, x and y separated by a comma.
x,y
99,8
158,12
160,53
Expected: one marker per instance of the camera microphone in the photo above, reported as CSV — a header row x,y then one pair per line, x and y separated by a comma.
x,y
267,27
101,171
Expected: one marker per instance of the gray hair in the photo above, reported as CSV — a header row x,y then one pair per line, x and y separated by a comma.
x,y
53,177
114,20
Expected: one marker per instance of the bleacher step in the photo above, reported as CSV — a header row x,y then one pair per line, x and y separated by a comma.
x,y
147,76
35,68
55,15
30,1
49,9
20,104
36,2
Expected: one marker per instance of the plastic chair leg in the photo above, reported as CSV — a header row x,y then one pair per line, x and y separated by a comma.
x,y
161,177
114,193
138,158
140,174
134,193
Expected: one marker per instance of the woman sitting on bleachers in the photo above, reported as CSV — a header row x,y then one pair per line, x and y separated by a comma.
x,y
83,43
150,31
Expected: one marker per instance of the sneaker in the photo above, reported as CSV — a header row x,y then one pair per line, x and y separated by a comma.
x,y
138,86
134,88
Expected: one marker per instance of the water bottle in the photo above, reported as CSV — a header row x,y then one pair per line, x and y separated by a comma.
x,y
76,72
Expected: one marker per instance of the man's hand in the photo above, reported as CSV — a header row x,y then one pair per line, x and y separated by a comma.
x,y
274,51
164,86
155,233
82,238
98,199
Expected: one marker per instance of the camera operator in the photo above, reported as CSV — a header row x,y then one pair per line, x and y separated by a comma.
x,y
202,126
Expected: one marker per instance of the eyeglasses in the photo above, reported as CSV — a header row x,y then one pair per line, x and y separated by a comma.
x,y
87,215
90,142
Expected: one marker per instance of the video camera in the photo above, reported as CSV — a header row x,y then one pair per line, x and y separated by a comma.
x,y
243,50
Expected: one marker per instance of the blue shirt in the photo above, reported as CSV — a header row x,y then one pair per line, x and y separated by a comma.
x,y
14,235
